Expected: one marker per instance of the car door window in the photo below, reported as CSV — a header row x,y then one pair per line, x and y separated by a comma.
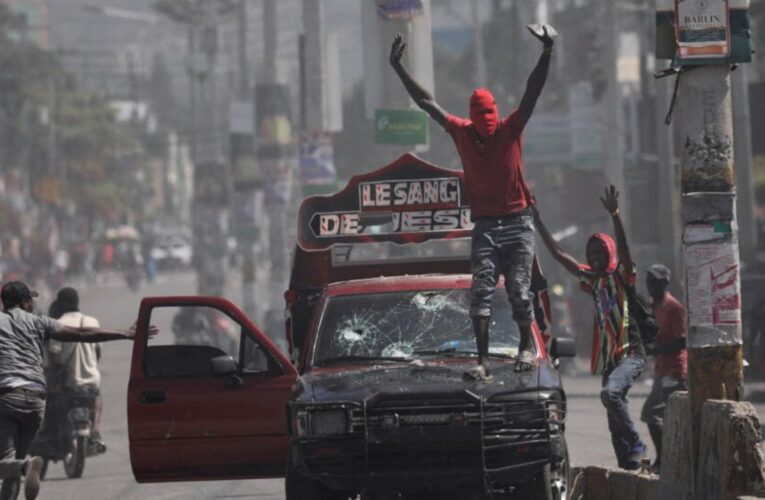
x,y
255,359
190,337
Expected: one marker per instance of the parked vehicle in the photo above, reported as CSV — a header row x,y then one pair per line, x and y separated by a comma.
x,y
67,431
372,389
172,252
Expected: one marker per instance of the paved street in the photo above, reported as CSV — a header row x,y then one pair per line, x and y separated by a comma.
x,y
110,476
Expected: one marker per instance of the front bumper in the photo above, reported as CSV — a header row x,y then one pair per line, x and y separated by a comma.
x,y
401,447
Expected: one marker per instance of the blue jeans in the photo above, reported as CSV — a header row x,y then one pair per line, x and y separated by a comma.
x,y
503,245
616,383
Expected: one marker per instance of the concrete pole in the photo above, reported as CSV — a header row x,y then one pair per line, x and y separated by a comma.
x,y
245,238
270,41
277,219
742,133
315,74
710,239
668,190
478,52
244,62
614,126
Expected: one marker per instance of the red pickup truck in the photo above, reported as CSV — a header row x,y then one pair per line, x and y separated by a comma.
x,y
371,399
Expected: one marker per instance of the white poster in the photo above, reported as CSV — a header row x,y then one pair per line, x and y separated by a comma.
x,y
713,285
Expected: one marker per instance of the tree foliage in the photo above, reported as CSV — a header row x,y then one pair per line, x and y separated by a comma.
x,y
51,129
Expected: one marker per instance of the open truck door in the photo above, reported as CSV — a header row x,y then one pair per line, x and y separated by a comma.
x,y
208,394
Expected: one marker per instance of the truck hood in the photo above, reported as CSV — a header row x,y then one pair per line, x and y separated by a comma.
x,y
366,383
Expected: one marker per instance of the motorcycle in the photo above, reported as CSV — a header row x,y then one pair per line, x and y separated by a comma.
x,y
67,432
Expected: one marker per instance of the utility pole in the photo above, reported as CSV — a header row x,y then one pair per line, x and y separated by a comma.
x,y
383,90
742,133
710,239
613,125
478,53
242,153
210,169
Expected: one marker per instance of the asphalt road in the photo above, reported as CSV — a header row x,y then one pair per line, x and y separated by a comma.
x,y
110,476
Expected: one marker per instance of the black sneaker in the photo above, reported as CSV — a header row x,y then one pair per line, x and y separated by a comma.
x,y
32,472
638,453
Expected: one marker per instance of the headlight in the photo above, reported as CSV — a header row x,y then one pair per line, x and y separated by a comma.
x,y
328,422
555,413
300,423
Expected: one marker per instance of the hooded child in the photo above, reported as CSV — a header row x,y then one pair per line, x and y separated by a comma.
x,y
618,354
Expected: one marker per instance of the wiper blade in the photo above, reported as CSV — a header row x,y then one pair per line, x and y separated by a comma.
x,y
444,352
343,359
452,352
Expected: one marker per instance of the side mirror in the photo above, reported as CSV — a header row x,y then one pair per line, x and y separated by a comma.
x,y
562,348
223,365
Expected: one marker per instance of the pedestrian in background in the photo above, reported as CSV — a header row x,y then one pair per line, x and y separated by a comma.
x,y
671,367
22,381
618,353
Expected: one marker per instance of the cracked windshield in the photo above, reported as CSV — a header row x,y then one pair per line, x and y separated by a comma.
x,y
410,325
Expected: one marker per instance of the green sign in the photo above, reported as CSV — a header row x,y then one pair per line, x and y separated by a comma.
x,y
395,126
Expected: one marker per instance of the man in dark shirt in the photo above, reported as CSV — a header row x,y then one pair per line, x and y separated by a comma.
x,y
22,381
503,236
618,354
671,369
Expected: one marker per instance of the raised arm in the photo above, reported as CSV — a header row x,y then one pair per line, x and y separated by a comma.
x,y
538,76
566,260
422,97
611,203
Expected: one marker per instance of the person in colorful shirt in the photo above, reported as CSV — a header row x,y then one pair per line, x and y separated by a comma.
x,y
671,368
503,237
618,354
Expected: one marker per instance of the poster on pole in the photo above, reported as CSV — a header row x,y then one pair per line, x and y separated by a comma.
x,y
702,29
714,297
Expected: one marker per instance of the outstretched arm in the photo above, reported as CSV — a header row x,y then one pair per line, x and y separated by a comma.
x,y
611,203
566,260
88,334
538,76
422,97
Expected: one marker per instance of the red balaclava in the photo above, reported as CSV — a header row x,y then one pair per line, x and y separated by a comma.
x,y
608,243
485,123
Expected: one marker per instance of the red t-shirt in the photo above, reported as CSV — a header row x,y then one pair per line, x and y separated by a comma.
x,y
670,315
493,169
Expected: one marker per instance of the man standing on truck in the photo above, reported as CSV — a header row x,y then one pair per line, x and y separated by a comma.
x,y
618,353
22,382
503,236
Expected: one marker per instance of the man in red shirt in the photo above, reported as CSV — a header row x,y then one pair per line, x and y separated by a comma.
x,y
671,369
503,236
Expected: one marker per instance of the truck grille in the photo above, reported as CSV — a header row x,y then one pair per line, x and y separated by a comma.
x,y
498,436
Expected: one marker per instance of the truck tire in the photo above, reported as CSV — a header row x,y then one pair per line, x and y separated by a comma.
x,y
549,483
539,487
300,487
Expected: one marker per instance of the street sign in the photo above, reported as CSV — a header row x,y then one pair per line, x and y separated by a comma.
x,y
395,126
399,10
317,163
703,32
702,28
